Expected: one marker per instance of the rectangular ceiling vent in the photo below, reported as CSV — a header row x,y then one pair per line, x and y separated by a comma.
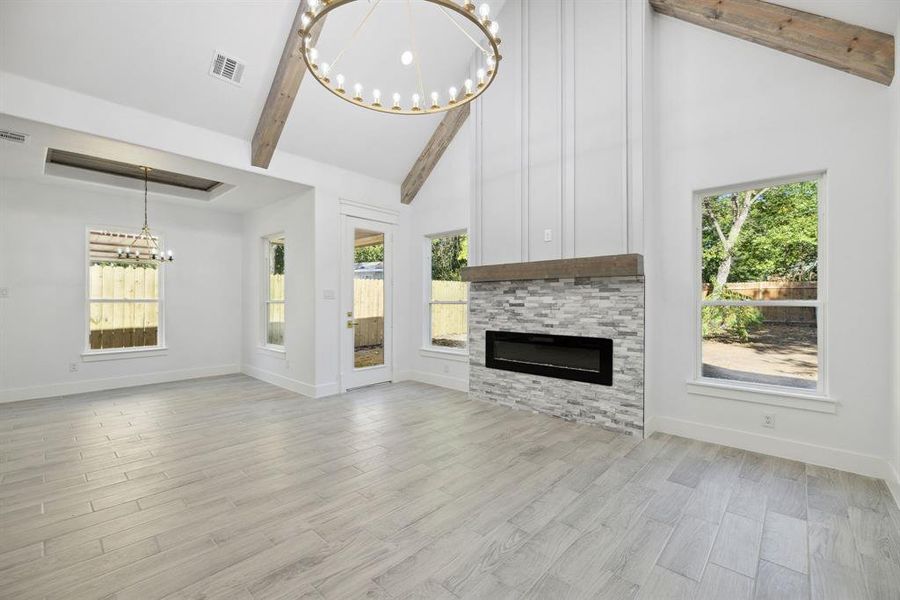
x,y
227,68
13,136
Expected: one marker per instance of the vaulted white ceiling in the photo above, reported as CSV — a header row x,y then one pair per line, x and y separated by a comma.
x,y
155,56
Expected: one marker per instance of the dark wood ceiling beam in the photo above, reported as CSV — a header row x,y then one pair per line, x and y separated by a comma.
x,y
849,48
285,86
444,133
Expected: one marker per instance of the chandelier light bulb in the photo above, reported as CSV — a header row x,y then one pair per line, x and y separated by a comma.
x,y
480,75
340,83
484,11
415,100
494,28
434,100
376,97
396,105
468,86
313,55
304,20
452,93
325,68
357,91
406,58
313,5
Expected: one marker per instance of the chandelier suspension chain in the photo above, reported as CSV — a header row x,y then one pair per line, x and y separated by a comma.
x,y
465,33
146,170
415,49
356,31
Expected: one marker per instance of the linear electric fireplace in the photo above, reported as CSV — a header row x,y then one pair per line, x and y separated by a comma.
x,y
572,357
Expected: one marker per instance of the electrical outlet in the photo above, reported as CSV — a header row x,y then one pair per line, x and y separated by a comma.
x,y
73,367
548,235
769,420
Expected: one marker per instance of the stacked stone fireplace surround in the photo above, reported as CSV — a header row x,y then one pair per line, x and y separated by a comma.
x,y
583,304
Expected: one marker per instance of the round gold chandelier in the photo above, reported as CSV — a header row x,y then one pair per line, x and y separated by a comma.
x,y
417,102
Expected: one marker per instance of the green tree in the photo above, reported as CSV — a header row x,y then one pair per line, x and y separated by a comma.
x,y
373,253
278,259
761,234
449,254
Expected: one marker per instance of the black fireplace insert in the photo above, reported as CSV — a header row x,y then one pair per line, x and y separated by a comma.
x,y
563,356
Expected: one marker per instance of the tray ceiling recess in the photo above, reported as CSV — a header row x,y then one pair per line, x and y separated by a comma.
x,y
122,169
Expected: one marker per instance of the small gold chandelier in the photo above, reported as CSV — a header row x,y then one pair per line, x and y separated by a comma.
x,y
145,240
416,103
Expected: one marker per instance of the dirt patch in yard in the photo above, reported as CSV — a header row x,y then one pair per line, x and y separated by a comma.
x,y
775,354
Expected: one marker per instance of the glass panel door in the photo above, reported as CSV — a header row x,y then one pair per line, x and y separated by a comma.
x,y
366,303
368,298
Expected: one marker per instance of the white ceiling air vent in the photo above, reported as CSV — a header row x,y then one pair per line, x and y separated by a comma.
x,y
227,68
13,136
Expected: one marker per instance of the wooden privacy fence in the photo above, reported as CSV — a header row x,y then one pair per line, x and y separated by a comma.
x,y
447,320
778,290
120,322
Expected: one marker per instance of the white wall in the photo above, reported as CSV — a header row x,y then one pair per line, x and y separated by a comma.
x,y
894,132
441,206
728,112
551,131
295,368
42,263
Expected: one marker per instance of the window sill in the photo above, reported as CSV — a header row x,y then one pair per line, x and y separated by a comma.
x,y
273,351
98,355
446,354
773,397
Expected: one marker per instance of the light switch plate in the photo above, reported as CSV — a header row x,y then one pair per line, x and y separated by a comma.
x,y
328,294
548,235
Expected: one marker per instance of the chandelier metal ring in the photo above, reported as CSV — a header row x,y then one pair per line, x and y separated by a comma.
x,y
468,91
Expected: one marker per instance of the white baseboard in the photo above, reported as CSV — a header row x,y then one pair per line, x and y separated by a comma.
x,y
893,483
111,383
844,460
288,383
453,383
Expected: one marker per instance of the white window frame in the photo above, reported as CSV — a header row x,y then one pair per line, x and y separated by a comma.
x,y
265,301
91,355
809,399
429,349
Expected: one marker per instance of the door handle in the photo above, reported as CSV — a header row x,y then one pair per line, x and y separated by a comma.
x,y
351,324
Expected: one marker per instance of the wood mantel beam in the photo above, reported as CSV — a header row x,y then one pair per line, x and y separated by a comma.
x,y
285,86
850,48
444,133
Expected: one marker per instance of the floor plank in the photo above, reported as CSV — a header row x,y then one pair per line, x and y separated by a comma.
x,y
233,489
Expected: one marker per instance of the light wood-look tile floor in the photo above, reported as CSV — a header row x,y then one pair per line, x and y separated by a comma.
x,y
231,488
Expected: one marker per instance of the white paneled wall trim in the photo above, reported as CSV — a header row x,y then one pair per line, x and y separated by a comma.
x,y
559,170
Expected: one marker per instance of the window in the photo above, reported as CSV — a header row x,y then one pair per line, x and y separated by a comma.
x,y
273,305
123,297
447,294
760,303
